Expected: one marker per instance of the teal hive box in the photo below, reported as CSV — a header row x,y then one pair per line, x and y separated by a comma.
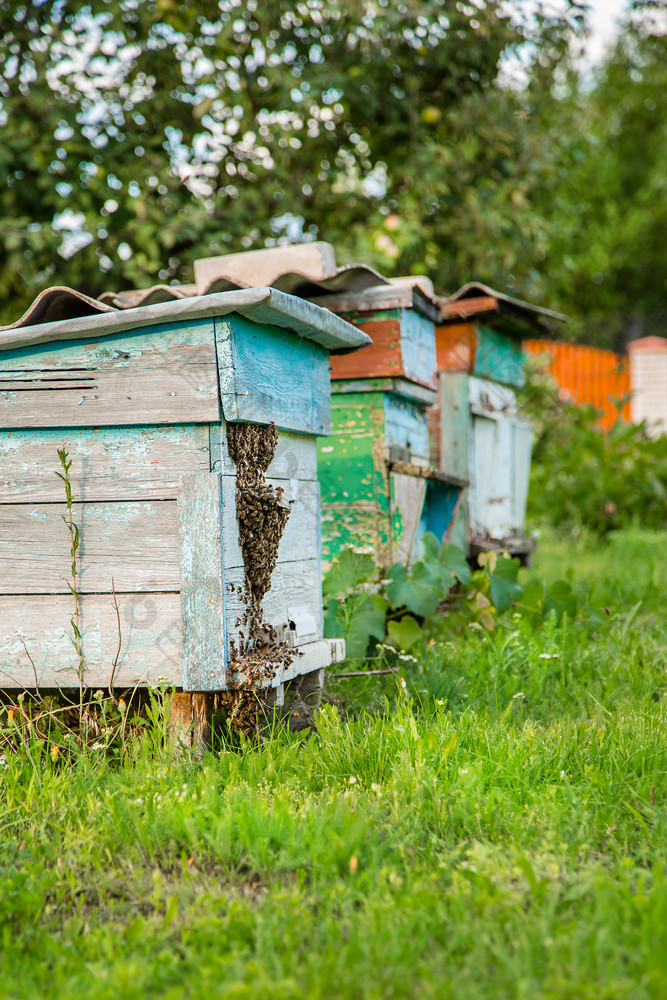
x,y
140,399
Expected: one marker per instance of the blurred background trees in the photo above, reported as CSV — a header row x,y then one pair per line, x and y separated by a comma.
x,y
442,138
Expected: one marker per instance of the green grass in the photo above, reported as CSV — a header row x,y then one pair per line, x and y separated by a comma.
x,y
498,830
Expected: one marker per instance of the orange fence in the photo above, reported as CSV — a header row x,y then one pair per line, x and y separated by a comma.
x,y
587,375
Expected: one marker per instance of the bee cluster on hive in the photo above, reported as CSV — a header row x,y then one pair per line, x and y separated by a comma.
x,y
262,515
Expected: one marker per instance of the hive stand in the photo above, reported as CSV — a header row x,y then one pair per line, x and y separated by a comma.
x,y
476,426
140,400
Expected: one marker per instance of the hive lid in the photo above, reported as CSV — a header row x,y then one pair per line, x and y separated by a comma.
x,y
79,316
476,300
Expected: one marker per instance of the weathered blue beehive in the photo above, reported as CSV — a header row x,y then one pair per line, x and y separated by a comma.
x,y
479,431
199,556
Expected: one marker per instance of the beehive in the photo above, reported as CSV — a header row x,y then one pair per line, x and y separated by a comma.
x,y
143,400
380,491
476,425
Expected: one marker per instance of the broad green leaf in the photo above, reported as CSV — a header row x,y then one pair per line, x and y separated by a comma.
x,y
357,621
404,633
417,592
455,563
503,585
349,571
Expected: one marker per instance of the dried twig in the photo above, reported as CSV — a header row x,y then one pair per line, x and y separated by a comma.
x,y
364,673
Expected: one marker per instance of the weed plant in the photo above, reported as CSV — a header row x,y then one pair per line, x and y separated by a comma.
x,y
497,830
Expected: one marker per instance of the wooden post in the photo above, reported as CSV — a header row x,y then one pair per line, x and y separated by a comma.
x,y
190,721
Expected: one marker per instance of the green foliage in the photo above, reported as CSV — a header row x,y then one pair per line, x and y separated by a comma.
x,y
582,477
367,607
510,841
138,137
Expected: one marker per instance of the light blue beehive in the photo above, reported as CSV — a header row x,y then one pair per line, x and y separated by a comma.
x,y
140,399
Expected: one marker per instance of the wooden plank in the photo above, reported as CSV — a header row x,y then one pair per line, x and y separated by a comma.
x,y
301,535
108,463
469,307
382,358
296,584
418,348
454,443
427,472
314,656
455,346
133,543
499,357
166,375
270,375
150,640
202,590
406,426
295,457
408,495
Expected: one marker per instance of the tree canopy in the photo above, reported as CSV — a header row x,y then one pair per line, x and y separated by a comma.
x,y
137,136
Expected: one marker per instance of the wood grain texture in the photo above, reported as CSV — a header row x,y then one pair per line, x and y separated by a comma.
x,y
406,426
202,589
418,348
150,649
133,543
161,376
455,444
295,457
108,463
408,494
382,358
499,357
293,584
301,535
455,346
272,375
403,346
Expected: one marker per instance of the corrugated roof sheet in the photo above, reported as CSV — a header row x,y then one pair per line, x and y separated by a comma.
x,y
475,299
263,305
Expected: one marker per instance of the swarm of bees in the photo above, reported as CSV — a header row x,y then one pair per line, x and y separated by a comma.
x,y
262,515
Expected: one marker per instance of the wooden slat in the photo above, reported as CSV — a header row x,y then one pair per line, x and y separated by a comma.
x,y
295,457
427,472
269,375
454,443
301,533
133,543
202,592
293,584
469,307
166,375
150,634
108,463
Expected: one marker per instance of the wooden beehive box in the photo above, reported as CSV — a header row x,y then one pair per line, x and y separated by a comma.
x,y
142,401
476,426
380,492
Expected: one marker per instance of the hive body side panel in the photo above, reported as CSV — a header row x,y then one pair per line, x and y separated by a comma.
x,y
269,375
134,544
202,584
108,463
383,357
406,427
39,628
165,375
354,478
454,443
418,347
455,346
499,357
295,457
